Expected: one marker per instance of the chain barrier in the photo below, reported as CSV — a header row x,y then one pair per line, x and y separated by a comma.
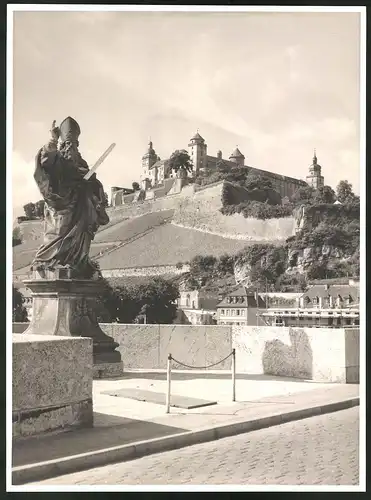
x,y
168,374
201,367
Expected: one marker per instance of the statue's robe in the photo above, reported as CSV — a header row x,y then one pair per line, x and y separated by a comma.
x,y
74,209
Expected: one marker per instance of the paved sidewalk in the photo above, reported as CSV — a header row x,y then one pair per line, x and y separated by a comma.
x,y
119,422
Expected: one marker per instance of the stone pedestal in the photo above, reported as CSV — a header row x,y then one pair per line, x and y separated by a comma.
x,y
66,306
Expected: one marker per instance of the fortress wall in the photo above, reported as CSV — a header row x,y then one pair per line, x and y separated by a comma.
x,y
201,211
144,271
195,210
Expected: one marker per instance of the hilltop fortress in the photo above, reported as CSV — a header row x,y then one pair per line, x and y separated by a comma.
x,y
168,208
157,180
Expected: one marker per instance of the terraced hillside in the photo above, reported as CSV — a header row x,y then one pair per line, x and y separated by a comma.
x,y
106,239
168,245
142,235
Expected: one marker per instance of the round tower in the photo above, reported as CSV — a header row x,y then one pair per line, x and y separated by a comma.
x,y
315,179
237,157
148,160
198,152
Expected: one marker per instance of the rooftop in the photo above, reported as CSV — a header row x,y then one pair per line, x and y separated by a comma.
x,y
197,137
333,290
242,292
237,154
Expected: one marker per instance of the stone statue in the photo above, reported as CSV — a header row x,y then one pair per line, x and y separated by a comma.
x,y
74,207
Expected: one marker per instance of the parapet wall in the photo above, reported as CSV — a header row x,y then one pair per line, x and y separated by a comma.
x,y
52,383
320,354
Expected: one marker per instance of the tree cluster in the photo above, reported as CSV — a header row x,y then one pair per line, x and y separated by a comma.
x,y
180,163
329,225
258,210
154,300
34,210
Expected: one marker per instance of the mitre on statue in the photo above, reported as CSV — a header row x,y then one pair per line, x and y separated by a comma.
x,y
69,130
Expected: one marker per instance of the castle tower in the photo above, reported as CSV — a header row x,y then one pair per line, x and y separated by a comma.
x,y
148,159
315,179
237,157
198,152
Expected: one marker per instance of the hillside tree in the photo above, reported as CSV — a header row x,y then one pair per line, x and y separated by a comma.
x,y
123,304
180,162
39,209
19,311
29,210
303,195
344,192
324,195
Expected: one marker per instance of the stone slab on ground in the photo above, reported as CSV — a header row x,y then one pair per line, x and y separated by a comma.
x,y
160,398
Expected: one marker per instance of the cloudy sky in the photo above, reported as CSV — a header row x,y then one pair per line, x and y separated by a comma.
x,y
275,84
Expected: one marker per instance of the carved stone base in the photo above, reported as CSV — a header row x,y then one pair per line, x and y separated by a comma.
x,y
66,306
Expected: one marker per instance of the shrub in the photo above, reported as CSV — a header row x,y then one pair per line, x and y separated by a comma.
x,y
258,210
19,311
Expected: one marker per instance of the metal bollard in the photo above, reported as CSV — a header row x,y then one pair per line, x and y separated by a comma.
x,y
168,380
233,374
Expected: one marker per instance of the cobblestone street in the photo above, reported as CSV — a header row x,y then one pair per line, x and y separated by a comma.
x,y
318,450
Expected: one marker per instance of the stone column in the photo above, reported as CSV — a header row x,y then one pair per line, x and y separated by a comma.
x,y
66,306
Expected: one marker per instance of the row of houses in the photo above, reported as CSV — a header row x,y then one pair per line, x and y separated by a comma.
x,y
323,305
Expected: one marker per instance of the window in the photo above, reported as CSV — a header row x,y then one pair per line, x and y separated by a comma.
x,y
330,321
347,321
238,312
222,312
242,312
316,301
227,312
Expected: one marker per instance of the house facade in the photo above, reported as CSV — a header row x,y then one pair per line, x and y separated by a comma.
x,y
239,307
323,305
